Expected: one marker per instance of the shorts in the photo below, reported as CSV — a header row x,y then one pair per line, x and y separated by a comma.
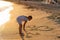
x,y
19,21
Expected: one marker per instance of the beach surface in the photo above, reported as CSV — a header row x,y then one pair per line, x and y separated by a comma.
x,y
39,28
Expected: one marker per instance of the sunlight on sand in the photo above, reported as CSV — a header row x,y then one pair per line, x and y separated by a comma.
x,y
5,8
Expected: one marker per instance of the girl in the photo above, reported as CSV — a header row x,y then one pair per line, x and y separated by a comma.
x,y
24,19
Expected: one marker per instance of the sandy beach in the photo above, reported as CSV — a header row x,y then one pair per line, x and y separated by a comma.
x,y
39,28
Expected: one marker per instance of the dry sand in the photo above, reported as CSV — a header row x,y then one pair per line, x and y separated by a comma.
x,y
39,28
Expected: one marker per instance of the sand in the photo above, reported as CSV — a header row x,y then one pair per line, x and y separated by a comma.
x,y
39,28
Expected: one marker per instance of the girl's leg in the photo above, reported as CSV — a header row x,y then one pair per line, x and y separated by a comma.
x,y
20,29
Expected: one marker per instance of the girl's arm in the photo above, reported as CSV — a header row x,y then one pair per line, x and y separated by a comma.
x,y
24,26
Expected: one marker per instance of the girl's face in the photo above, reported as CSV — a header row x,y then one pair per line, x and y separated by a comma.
x,y
30,19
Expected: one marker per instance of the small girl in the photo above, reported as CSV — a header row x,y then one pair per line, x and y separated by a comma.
x,y
24,19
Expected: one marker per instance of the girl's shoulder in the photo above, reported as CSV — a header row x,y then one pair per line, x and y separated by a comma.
x,y
22,16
